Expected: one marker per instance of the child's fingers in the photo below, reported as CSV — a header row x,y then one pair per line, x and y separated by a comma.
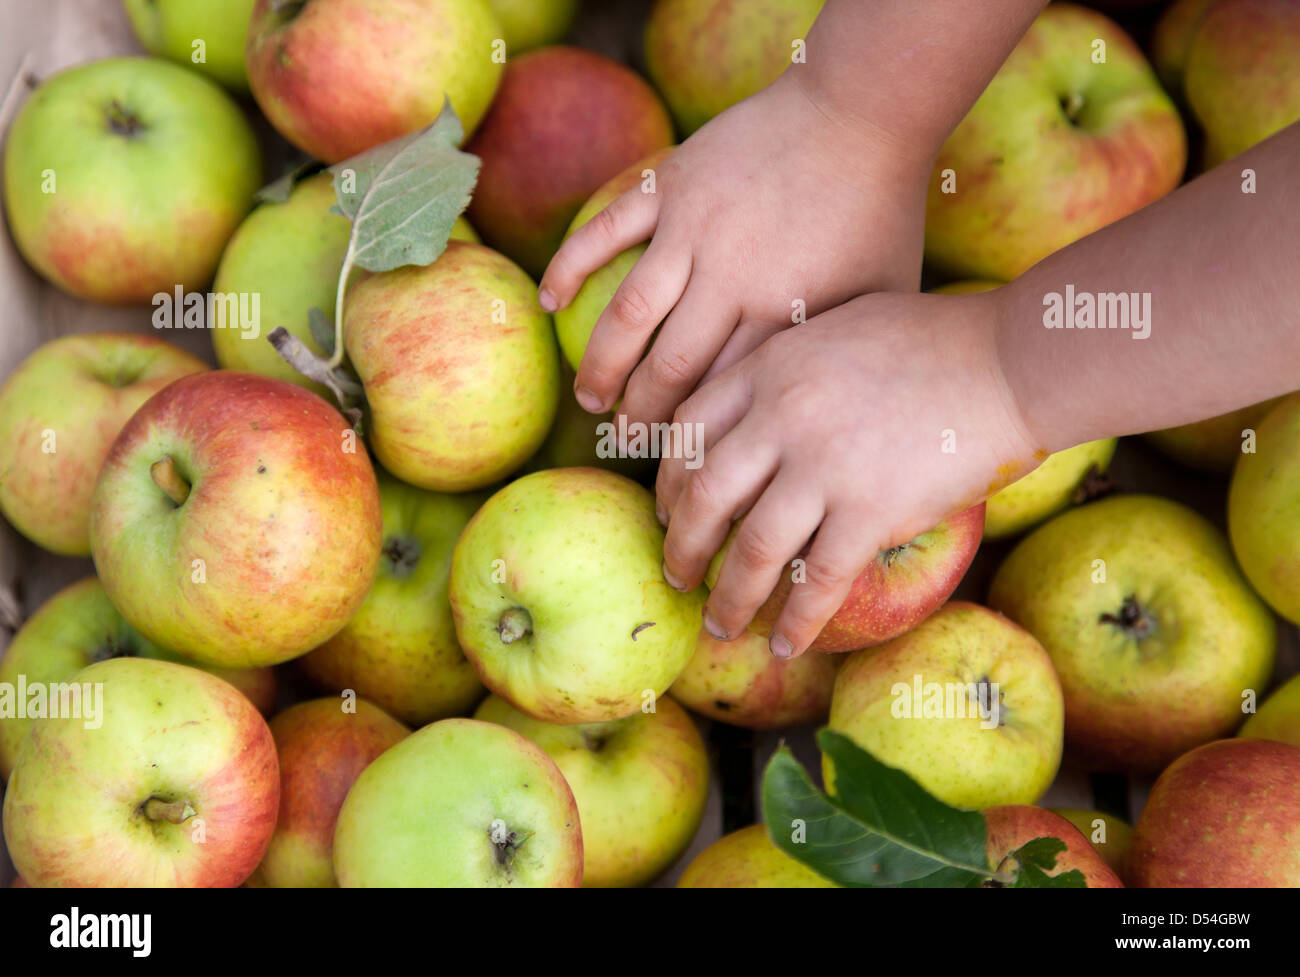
x,y
744,339
629,220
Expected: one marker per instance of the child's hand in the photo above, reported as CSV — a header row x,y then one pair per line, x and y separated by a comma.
x,y
864,427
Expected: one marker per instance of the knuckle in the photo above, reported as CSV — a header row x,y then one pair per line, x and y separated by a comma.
x,y
827,574
668,370
701,494
604,226
754,548
631,306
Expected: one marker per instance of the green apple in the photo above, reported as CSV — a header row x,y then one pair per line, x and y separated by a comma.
x,y
579,439
559,598
1171,39
1152,629
640,784
399,649
1212,445
175,784
322,748
1278,717
1012,826
173,29
748,859
76,628
1264,509
459,365
967,704
1109,835
1046,490
124,178
236,520
526,24
460,803
59,413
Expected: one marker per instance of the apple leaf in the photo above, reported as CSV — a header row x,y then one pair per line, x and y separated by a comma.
x,y
322,330
1034,858
279,189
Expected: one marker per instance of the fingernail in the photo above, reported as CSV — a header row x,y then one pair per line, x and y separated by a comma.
x,y
712,627
661,514
780,646
673,581
546,299
589,401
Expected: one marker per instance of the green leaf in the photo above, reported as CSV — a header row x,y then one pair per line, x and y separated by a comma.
x,y
322,330
1035,858
278,190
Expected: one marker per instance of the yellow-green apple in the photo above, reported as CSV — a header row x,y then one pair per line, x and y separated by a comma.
x,y
1061,143
741,683
59,413
579,439
322,749
336,77
460,367
1046,490
464,804
1278,717
565,121
640,784
236,520
1112,837
574,322
399,649
1012,826
1171,40
893,594
75,628
526,24
558,594
706,55
209,35
967,704
124,178
1242,77
1152,629
1224,816
748,859
1264,509
1212,445
173,785
289,255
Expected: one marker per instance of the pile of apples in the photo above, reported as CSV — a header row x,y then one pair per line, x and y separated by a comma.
x,y
504,681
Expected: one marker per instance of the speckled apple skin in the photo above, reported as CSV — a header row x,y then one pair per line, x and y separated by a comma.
x,y
748,859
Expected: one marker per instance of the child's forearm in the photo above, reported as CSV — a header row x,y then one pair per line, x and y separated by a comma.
x,y
1220,269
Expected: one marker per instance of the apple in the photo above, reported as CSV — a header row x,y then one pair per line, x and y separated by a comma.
x,y
741,683
526,24
178,786
1153,631
78,627
236,520
1225,816
558,594
1278,717
322,749
399,649
1012,826
565,121
1056,147
1264,509
289,255
59,413
460,803
706,55
890,596
124,178
640,784
1110,836
460,368
1171,39
1212,445
748,859
1242,76
336,77
967,704
173,29
1046,490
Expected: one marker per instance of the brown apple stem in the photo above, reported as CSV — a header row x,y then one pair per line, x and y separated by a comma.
x,y
177,812
514,624
1132,619
167,478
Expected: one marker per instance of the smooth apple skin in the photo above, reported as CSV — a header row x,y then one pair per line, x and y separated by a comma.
x,y
1172,38
528,24
1046,490
1011,826
284,518
1118,836
322,750
564,122
155,168
741,683
640,783
82,389
1224,816
575,557
1029,180
1139,694
1264,509
79,626
956,758
430,812
460,367
748,859
336,77
74,809
168,28
706,55
399,649
1214,444
1278,717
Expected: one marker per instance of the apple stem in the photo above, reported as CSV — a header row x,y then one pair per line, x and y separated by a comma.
x,y
1132,619
156,809
514,624
167,478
